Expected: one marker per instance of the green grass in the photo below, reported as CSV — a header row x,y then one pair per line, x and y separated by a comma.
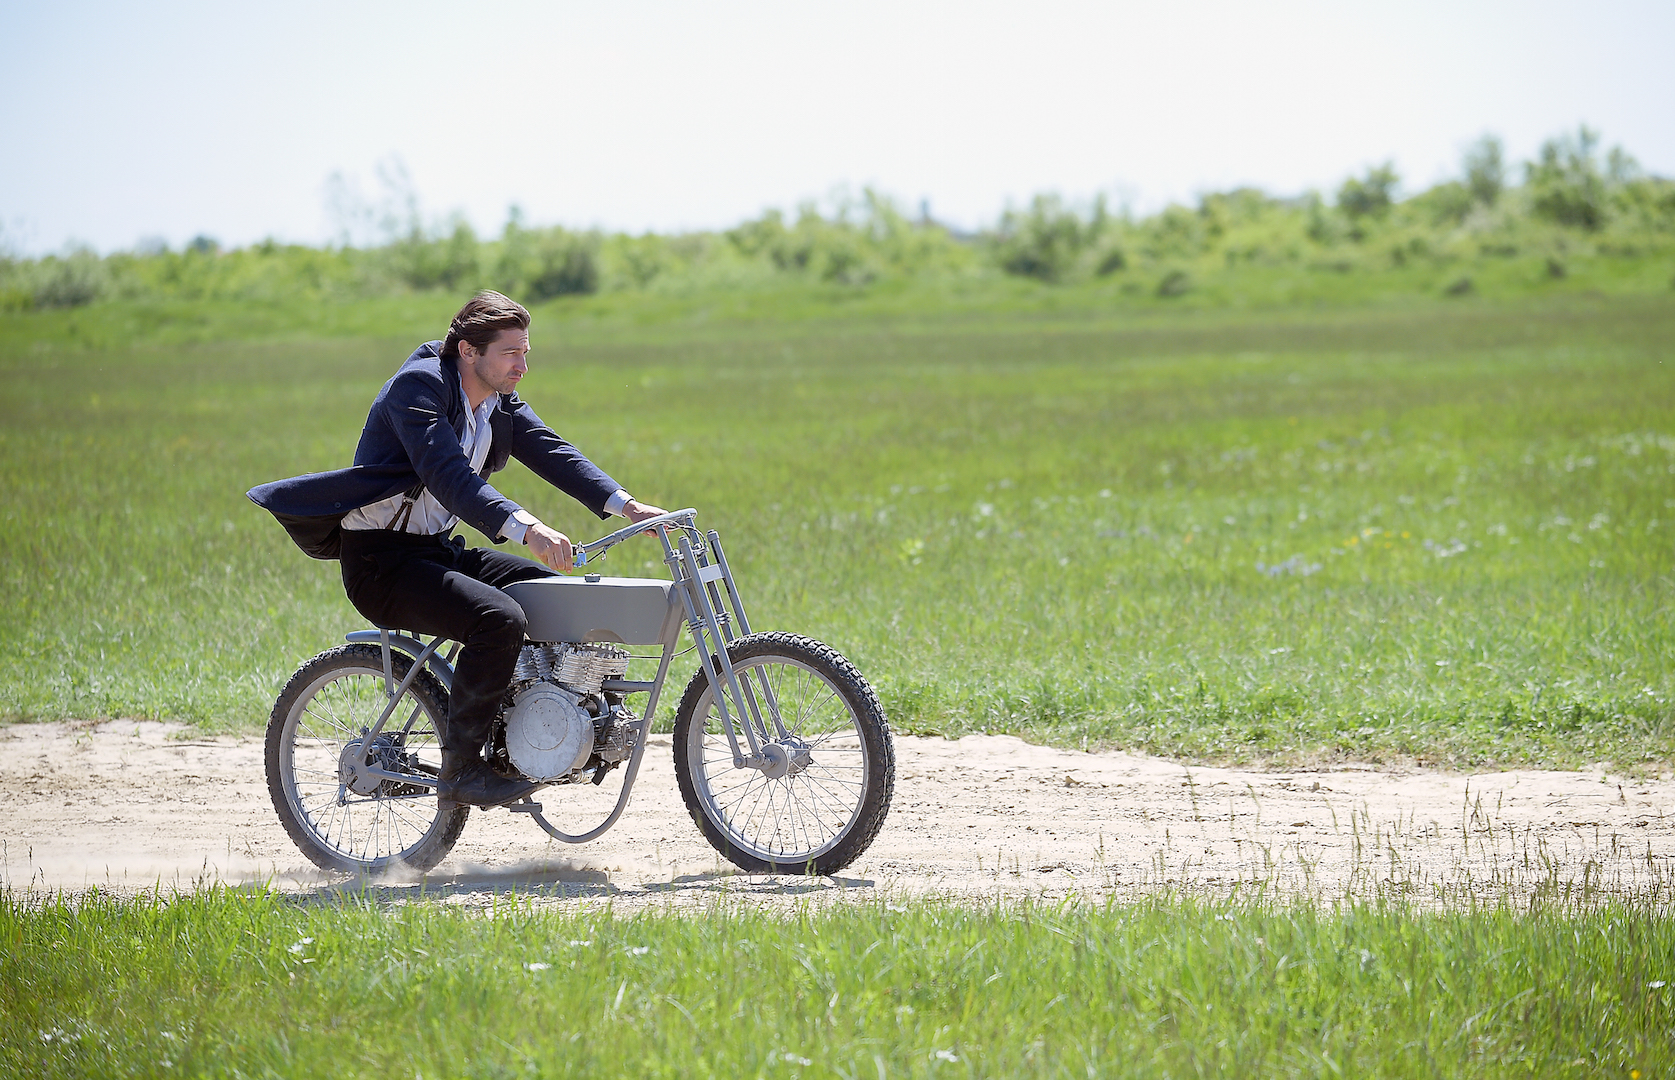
x,y
1047,522
1018,509
223,983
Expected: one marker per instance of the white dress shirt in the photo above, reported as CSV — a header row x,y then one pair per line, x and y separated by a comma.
x,y
429,517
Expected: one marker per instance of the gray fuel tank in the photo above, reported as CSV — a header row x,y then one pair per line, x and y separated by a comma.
x,y
628,611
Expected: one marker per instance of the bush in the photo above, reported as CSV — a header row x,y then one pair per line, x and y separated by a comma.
x,y
1046,241
1370,196
1112,261
70,280
447,262
566,265
858,244
543,263
1323,228
1484,166
1174,283
908,247
1565,180
1447,203
829,250
1647,202
16,293
765,237
1176,232
642,259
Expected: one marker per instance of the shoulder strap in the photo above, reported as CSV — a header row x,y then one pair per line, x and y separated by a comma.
x,y
404,514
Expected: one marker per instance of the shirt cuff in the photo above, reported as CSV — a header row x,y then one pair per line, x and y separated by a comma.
x,y
517,526
615,503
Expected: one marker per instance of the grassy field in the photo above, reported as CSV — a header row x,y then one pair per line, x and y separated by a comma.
x,y
1419,530
1386,527
227,983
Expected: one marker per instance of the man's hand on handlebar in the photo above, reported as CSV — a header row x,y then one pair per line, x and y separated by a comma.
x,y
637,511
550,547
553,548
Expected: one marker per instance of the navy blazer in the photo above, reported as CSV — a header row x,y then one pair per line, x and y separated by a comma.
x,y
412,439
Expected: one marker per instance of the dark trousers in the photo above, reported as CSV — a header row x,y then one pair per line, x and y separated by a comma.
x,y
437,585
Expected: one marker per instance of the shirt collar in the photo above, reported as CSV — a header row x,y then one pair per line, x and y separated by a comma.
x,y
480,414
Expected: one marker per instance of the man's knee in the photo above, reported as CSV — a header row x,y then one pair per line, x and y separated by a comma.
x,y
502,624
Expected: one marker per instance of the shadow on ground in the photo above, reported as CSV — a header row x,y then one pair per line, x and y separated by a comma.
x,y
550,880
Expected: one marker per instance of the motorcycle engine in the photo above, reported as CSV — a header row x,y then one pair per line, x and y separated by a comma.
x,y
557,715
548,733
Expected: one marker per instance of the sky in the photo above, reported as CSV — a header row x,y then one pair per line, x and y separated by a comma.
x,y
128,124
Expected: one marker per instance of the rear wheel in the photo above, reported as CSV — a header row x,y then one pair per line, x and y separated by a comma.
x,y
319,724
824,788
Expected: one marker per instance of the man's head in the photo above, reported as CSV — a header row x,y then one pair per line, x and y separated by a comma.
x,y
489,338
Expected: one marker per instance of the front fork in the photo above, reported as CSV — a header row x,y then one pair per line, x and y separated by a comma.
x,y
700,571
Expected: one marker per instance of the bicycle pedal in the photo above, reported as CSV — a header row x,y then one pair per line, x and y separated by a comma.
x,y
524,807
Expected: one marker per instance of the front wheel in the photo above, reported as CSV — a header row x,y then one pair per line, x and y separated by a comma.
x,y
819,793
319,723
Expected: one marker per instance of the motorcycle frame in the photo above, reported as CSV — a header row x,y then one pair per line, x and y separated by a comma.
x,y
715,616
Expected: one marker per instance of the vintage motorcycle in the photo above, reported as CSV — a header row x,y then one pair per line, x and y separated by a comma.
x,y
782,751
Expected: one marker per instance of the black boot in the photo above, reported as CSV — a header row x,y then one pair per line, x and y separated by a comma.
x,y
470,780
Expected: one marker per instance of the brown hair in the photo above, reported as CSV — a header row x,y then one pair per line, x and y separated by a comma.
x,y
481,320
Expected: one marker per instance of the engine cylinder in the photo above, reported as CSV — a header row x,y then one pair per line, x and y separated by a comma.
x,y
580,667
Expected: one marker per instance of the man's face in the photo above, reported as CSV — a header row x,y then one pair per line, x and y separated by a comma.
x,y
501,364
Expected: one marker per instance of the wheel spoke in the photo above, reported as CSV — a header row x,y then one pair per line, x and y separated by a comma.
x,y
820,796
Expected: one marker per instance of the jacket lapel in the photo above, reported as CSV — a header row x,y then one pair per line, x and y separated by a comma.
x,y
500,442
456,397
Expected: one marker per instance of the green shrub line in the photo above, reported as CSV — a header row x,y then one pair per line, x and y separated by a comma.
x,y
246,983
1577,214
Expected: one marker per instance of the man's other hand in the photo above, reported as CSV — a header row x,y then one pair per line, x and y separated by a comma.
x,y
637,511
551,547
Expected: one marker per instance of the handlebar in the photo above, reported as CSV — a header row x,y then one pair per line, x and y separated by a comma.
x,y
585,553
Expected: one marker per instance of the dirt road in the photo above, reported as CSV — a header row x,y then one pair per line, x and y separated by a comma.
x,y
125,807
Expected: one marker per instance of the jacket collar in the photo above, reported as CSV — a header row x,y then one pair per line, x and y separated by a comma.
x,y
448,367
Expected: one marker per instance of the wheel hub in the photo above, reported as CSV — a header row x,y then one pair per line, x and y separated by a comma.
x,y
781,759
352,765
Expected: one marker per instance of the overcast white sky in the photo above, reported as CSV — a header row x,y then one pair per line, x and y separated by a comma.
x,y
125,121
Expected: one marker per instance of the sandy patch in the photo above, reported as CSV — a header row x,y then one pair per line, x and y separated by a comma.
x,y
127,807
